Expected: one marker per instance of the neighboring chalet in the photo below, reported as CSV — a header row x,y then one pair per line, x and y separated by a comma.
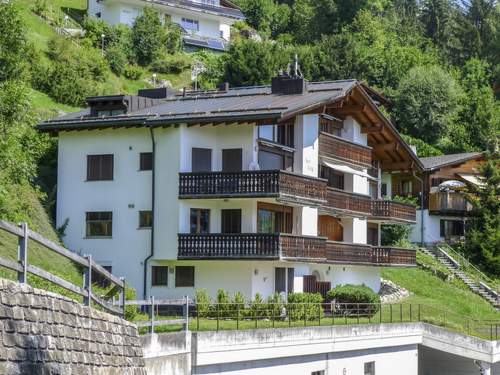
x,y
255,189
445,207
204,23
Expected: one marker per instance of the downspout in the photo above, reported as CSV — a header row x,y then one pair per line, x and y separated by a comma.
x,y
421,208
152,241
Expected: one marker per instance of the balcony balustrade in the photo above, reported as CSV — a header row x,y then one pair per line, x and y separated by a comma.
x,y
285,186
449,204
331,146
393,211
343,201
276,246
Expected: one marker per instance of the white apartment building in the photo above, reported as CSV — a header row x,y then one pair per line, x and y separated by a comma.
x,y
205,23
254,190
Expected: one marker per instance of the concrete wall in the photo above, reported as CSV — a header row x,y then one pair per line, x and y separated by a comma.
x,y
45,333
167,353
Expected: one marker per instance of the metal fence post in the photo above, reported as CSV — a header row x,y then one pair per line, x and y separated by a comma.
x,y
123,296
187,313
22,254
87,280
152,314
419,317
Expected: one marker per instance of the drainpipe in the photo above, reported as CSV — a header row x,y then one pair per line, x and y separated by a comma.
x,y
152,241
421,208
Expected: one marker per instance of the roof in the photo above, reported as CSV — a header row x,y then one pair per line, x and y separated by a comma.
x,y
434,162
256,102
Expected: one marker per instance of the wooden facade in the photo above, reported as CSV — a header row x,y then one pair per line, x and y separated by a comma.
x,y
333,147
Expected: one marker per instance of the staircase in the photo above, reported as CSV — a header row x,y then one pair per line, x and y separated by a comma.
x,y
455,263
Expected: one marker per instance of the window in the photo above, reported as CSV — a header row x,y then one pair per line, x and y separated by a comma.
x,y
99,167
99,279
231,221
331,126
280,134
451,228
283,279
159,275
369,368
184,276
232,160
201,160
437,181
335,179
406,187
99,224
145,219
110,112
275,159
273,218
190,24
200,220
320,372
146,161
383,189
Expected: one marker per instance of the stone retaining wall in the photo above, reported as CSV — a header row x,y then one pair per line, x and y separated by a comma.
x,y
46,333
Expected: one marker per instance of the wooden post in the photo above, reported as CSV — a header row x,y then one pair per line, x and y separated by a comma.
x,y
23,254
152,315
123,297
87,281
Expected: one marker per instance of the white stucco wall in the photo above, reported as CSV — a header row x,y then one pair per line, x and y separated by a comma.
x,y
431,225
306,143
352,131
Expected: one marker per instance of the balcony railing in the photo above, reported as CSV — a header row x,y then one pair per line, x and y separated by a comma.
x,y
331,146
280,184
343,201
360,254
276,246
393,211
449,203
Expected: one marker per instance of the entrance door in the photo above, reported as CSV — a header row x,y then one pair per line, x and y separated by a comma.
x,y
232,160
231,221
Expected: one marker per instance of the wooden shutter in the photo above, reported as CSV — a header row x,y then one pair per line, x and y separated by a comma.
x,y
231,221
232,160
201,160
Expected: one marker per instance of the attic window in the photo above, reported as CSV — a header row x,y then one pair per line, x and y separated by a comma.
x,y
110,112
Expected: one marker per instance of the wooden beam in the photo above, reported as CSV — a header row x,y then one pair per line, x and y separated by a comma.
x,y
350,109
398,166
393,146
373,129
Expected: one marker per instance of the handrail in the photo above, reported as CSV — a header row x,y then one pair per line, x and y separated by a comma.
x,y
23,267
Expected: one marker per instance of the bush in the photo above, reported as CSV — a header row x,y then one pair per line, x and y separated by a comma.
x,y
171,64
133,72
202,303
238,305
223,304
304,306
275,305
149,36
359,299
117,59
130,311
258,307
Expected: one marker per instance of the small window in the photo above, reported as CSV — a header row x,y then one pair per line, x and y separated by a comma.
x,y
99,224
320,372
146,161
145,219
200,220
184,276
451,228
159,275
99,279
369,368
406,187
280,134
99,167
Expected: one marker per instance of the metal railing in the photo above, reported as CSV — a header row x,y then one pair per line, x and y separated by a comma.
x,y
23,268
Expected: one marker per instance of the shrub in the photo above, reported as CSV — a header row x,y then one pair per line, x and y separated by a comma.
x,y
202,303
238,305
171,64
133,72
304,306
358,299
149,36
223,303
130,311
258,307
117,59
275,305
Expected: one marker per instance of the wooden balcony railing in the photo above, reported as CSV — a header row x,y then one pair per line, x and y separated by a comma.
x,y
393,211
343,201
449,203
331,146
281,184
346,253
276,246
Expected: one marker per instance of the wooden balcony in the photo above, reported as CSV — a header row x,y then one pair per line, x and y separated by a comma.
x,y
231,246
285,186
447,203
359,254
339,201
331,146
387,210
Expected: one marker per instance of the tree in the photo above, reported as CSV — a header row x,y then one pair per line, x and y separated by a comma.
x,y
13,42
423,149
427,103
149,36
14,101
483,233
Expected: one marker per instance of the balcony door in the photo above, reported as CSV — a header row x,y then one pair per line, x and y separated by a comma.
x,y
274,218
231,221
372,234
201,160
283,280
232,160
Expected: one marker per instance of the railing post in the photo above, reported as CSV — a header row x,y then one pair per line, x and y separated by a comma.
x,y
419,318
187,314
391,311
87,281
123,293
217,316
152,315
237,316
380,312
319,314
22,254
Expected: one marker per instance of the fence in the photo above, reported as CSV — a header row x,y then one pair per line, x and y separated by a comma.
x,y
253,315
23,268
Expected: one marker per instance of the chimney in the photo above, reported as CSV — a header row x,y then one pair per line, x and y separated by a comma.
x,y
289,83
157,93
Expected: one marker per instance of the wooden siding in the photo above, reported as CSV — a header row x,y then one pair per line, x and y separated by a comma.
x,y
334,147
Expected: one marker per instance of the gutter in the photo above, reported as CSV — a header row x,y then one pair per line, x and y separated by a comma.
x,y
152,240
421,208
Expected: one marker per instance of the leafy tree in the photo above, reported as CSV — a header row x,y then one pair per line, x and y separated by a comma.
x,y
483,233
149,36
214,69
427,103
423,149
14,101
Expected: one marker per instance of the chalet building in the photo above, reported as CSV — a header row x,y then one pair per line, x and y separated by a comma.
x,y
204,23
255,189
445,209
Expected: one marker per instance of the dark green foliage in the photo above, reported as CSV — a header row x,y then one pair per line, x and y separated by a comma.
x,y
302,306
354,299
149,36
223,304
117,59
202,303
133,72
173,36
171,64
483,232
214,65
398,234
423,149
